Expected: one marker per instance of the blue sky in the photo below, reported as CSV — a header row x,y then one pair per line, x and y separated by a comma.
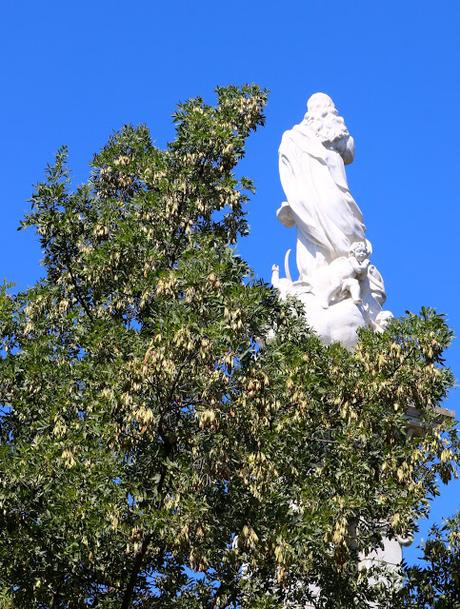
x,y
73,72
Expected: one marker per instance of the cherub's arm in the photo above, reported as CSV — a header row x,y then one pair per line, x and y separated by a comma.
x,y
364,265
359,268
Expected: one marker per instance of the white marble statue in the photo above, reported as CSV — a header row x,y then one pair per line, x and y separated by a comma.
x,y
342,277
339,287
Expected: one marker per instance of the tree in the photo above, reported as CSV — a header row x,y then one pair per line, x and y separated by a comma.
x,y
172,435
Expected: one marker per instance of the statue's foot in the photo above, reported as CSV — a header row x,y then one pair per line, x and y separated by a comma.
x,y
357,301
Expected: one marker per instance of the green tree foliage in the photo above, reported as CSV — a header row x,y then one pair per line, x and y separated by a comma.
x,y
172,435
435,583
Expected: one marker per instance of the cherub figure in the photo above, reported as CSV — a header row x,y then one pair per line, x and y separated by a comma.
x,y
343,275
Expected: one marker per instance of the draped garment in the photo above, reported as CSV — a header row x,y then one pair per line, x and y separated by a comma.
x,y
319,203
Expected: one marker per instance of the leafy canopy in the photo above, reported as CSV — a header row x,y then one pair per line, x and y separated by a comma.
x,y
172,435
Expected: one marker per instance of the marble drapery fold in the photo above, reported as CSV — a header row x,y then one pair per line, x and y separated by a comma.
x,y
319,202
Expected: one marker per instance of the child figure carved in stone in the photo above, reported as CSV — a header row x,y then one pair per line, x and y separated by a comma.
x,y
343,275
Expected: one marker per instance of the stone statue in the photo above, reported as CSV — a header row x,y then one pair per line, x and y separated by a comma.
x,y
342,276
339,287
312,158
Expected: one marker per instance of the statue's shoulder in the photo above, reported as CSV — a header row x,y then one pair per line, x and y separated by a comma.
x,y
303,138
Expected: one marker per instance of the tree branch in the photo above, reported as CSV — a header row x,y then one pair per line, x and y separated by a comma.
x,y
128,595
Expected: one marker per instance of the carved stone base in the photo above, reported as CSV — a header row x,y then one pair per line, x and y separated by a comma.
x,y
338,323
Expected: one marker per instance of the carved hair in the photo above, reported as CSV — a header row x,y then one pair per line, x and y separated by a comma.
x,y
360,245
323,118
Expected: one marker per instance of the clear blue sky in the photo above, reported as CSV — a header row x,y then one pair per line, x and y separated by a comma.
x,y
73,72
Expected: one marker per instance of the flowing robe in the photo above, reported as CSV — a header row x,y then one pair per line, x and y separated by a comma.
x,y
319,203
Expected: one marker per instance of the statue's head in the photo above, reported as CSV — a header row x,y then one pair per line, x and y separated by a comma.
x,y
323,118
360,251
320,104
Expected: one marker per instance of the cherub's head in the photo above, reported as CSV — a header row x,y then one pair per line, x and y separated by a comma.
x,y
359,250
